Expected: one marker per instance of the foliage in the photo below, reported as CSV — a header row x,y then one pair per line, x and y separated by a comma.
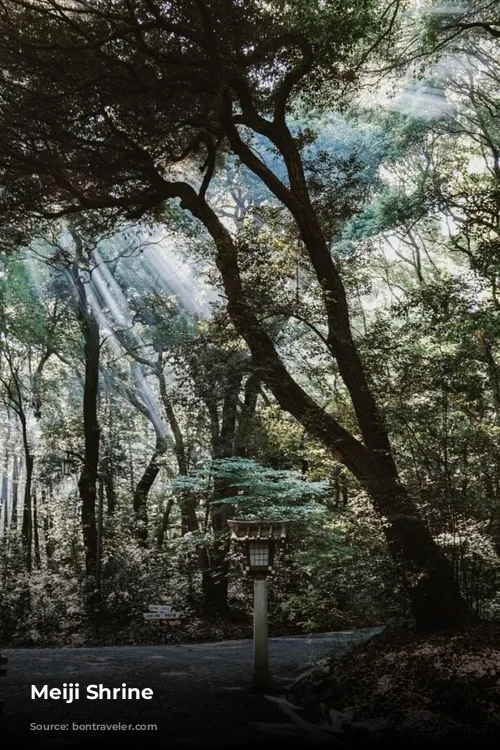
x,y
257,491
285,268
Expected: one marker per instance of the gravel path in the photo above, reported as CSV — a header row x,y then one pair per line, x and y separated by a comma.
x,y
201,692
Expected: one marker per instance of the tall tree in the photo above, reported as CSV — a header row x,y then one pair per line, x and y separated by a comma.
x,y
131,98
77,264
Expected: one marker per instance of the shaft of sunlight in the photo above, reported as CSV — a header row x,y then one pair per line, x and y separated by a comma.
x,y
175,277
423,102
35,275
149,399
110,292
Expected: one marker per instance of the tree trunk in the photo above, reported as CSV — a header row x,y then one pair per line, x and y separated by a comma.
x,y
164,523
252,389
4,502
493,374
109,484
47,529
36,537
4,506
15,493
187,507
107,463
426,573
189,520
179,447
4,495
27,525
215,575
100,529
87,484
142,491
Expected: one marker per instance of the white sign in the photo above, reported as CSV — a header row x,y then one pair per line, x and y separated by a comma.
x,y
161,615
160,608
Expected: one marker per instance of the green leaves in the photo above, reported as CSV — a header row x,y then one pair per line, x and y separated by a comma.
x,y
256,490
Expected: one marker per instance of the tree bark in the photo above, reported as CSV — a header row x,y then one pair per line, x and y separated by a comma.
x,y
47,528
109,484
4,501
179,447
27,524
164,523
142,491
215,574
107,464
4,494
15,493
36,537
252,389
189,520
145,483
87,483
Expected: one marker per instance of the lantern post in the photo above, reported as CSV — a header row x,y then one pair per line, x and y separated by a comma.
x,y
260,540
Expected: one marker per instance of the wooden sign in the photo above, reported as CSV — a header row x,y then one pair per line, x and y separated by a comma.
x,y
153,616
160,608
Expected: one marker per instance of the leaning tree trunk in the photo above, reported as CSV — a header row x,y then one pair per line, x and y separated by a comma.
x,y
426,573
186,500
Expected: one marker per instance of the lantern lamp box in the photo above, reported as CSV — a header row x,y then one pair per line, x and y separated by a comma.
x,y
260,539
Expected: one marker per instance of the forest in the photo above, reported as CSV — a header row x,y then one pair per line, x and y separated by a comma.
x,y
249,268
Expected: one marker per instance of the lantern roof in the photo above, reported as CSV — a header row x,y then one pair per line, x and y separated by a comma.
x,y
244,530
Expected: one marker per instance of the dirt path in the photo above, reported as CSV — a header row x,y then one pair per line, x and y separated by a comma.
x,y
201,692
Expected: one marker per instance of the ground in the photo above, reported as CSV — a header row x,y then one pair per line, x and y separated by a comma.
x,y
367,688
407,686
202,692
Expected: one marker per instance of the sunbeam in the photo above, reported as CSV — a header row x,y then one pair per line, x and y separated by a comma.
x,y
149,399
175,277
109,291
